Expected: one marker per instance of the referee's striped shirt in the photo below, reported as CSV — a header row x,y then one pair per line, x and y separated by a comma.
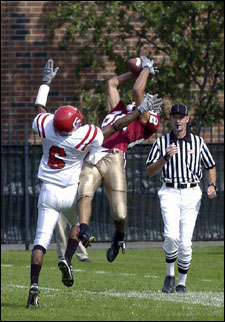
x,y
186,165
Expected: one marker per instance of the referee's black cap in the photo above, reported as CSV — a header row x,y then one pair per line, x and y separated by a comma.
x,y
178,108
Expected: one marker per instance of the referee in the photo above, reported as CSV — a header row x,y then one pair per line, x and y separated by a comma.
x,y
180,155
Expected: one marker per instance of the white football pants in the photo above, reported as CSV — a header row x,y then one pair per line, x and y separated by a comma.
x,y
179,209
52,200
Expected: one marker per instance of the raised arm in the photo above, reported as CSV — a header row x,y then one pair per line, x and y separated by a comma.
x,y
113,96
43,91
140,84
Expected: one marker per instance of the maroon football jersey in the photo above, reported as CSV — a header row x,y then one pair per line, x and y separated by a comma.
x,y
135,131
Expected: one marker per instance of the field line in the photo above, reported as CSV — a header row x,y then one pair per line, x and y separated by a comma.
x,y
201,298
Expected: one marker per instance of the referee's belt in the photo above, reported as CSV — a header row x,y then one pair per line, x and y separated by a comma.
x,y
181,185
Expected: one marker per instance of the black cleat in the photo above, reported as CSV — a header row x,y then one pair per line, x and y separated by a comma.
x,y
67,271
33,298
113,251
86,239
169,284
181,288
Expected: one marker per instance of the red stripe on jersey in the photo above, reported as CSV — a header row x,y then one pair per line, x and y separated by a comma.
x,y
93,137
85,138
42,126
39,133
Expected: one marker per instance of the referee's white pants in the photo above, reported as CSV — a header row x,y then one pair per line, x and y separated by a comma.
x,y
52,200
179,209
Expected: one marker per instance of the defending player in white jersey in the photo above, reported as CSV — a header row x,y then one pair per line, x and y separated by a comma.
x,y
65,144
58,149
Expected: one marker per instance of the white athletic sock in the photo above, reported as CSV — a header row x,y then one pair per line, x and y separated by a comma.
x,y
181,279
170,269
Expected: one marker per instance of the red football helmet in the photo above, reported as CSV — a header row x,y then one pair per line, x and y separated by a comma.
x,y
67,119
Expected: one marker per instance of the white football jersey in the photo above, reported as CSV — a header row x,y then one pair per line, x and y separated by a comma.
x,y
63,156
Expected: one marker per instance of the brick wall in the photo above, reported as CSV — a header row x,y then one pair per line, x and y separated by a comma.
x,y
25,50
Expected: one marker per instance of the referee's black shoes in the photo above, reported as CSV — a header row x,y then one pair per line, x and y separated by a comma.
x,y
169,284
181,288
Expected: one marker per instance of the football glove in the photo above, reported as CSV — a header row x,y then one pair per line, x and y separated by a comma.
x,y
150,103
49,74
148,64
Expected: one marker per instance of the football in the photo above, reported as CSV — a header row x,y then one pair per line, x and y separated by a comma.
x,y
134,65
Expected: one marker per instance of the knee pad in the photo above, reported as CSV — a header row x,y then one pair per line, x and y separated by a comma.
x,y
40,248
120,217
118,210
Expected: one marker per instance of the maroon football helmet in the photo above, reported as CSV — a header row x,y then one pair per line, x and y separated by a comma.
x,y
67,119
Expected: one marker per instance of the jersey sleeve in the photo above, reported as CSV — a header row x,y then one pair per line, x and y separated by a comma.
x,y
119,107
138,130
91,137
118,111
206,157
154,154
39,124
153,124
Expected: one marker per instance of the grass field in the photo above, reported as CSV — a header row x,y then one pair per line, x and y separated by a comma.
x,y
128,289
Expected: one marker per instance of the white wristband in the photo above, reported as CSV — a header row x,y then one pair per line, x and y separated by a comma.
x,y
42,95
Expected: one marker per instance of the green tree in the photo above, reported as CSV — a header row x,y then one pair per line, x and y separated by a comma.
x,y
187,36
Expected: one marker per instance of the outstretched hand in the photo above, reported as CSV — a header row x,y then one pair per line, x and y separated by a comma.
x,y
49,73
150,103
